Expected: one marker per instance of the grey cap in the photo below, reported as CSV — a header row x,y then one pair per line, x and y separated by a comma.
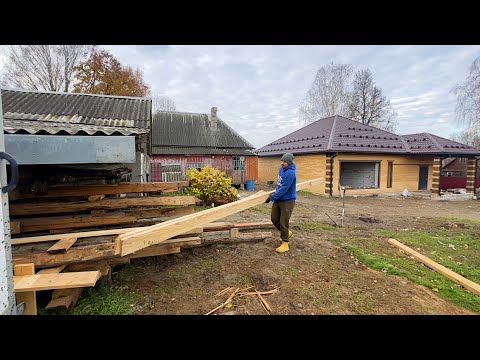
x,y
288,158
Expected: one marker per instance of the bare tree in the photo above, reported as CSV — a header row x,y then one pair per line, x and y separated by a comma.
x,y
468,97
328,94
72,56
368,105
469,136
163,103
42,67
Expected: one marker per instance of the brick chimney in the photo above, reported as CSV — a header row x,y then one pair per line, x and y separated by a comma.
x,y
213,118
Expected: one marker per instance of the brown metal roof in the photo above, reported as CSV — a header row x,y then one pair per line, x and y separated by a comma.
x,y
339,134
429,143
71,110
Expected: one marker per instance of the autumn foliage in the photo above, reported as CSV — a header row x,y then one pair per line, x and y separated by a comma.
x,y
211,186
103,74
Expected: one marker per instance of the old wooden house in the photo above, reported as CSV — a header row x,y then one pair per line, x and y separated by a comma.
x,y
180,141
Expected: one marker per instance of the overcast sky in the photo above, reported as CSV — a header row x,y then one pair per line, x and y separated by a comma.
x,y
258,89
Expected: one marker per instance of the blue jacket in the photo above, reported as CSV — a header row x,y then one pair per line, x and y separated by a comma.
x,y
286,184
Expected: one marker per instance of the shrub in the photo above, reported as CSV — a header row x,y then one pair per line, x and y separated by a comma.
x,y
211,186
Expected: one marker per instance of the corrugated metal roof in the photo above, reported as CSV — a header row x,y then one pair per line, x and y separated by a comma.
x,y
74,108
193,131
169,150
52,128
339,134
429,143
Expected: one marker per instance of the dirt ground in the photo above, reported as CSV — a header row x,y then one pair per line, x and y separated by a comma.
x,y
317,276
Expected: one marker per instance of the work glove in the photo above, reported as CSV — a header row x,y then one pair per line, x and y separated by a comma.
x,y
268,200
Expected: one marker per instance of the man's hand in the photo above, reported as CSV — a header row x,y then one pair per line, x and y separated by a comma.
x,y
268,200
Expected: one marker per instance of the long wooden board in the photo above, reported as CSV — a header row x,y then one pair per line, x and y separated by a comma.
x,y
459,279
88,190
74,254
83,234
62,245
133,241
55,281
64,207
64,298
76,221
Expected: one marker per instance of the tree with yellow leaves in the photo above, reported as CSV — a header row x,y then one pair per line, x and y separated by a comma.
x,y
103,74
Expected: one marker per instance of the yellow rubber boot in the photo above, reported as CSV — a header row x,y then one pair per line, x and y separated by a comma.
x,y
282,248
290,234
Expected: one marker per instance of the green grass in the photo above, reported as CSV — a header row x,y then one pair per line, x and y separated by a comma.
x,y
101,300
456,249
312,226
106,300
245,281
205,264
291,271
319,298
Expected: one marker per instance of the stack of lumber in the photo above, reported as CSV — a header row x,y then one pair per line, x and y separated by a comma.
x,y
36,179
104,248
73,248
66,208
84,252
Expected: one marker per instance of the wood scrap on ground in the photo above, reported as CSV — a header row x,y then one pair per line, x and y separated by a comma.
x,y
467,284
240,293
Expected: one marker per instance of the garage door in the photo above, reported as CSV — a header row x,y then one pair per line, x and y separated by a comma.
x,y
359,175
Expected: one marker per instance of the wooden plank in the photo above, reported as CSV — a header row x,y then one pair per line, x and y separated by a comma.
x,y
218,226
75,254
234,233
154,251
224,237
95,233
155,234
64,298
74,221
54,270
103,266
28,297
62,245
14,227
467,284
88,190
253,225
95,197
161,212
55,281
74,206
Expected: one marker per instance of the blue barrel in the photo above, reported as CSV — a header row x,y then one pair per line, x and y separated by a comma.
x,y
249,184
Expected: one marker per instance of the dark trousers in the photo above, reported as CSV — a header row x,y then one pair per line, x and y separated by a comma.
x,y
281,212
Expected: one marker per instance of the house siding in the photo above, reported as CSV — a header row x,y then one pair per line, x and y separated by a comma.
x,y
405,171
308,167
